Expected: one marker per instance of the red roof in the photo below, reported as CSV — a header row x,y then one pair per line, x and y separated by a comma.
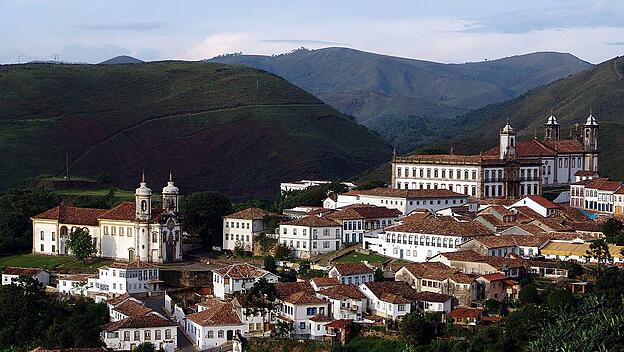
x,y
343,291
132,308
364,211
241,271
339,324
285,289
536,148
72,215
345,269
220,313
604,184
133,322
313,221
397,292
442,225
22,271
250,214
303,297
493,277
543,202
463,312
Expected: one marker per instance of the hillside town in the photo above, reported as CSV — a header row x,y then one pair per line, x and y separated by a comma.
x,y
459,239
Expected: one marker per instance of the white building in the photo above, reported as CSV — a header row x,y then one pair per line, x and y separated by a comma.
x,y
538,204
404,200
598,195
420,240
214,324
238,278
388,299
346,302
119,278
352,273
74,285
12,274
310,236
130,231
431,302
299,311
242,226
358,219
303,184
127,334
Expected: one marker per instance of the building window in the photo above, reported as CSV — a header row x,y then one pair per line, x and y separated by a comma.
x,y
42,248
137,335
157,335
220,334
210,334
154,237
167,334
126,335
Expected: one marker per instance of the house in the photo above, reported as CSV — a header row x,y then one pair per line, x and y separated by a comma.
x,y
598,194
500,246
128,308
256,318
471,262
388,299
498,287
310,236
119,278
319,283
549,269
539,204
431,302
357,219
466,316
128,333
74,285
439,278
346,301
420,240
577,251
215,323
404,200
238,277
352,273
241,227
12,274
130,231
297,311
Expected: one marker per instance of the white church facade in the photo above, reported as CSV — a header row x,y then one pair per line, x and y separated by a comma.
x,y
131,231
513,170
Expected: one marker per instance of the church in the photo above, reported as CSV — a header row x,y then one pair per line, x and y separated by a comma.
x,y
512,170
130,231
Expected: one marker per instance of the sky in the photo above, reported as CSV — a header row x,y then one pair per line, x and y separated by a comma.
x,y
442,30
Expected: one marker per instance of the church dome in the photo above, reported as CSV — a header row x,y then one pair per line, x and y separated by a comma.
x,y
591,121
170,188
508,128
143,190
552,120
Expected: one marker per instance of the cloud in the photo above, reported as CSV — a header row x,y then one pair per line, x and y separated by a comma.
x,y
302,42
615,43
123,26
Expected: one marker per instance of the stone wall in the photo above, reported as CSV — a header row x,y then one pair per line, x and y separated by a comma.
x,y
177,278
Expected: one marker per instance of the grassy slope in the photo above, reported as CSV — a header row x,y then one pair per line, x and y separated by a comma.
x,y
228,128
600,89
48,262
396,96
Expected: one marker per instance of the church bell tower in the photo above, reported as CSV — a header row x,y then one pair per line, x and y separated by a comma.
x,y
552,129
170,196
507,142
143,199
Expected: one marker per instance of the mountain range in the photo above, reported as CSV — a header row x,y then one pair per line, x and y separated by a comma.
x,y
219,127
406,101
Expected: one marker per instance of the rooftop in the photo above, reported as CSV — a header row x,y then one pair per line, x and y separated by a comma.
x,y
363,211
133,322
342,292
132,308
312,221
219,314
397,292
408,193
22,271
250,214
72,215
345,269
442,225
241,271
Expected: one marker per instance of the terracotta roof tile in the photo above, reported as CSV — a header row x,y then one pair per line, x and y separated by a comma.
x,y
462,278
72,215
443,225
118,299
286,289
604,184
22,271
493,277
313,221
463,312
565,146
345,269
303,297
133,322
325,281
496,262
319,318
510,241
364,211
250,214
241,271
216,315
340,324
397,292
132,308
430,270
342,292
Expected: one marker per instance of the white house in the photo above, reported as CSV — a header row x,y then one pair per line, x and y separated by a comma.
x,y
74,285
539,204
352,273
598,195
119,278
130,231
241,227
503,245
298,309
310,236
388,299
12,274
346,302
434,302
127,334
358,219
404,200
215,323
238,277
130,307
422,239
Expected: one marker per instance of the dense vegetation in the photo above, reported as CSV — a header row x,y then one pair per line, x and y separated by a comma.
x,y
406,100
232,129
30,319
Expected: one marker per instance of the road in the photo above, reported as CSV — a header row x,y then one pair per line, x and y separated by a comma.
x,y
157,303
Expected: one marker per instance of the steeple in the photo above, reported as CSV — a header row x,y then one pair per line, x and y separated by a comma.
x,y
143,200
507,146
552,128
170,195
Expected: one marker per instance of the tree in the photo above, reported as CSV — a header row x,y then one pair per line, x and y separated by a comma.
x,y
81,245
528,295
263,288
371,185
379,275
492,306
415,328
20,307
599,250
270,264
281,251
560,299
613,229
282,330
310,196
239,249
203,214
304,267
145,347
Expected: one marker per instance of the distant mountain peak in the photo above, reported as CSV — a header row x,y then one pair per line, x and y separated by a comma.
x,y
121,59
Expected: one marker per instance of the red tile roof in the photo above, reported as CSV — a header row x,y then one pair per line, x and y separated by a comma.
x,y
604,184
493,277
397,292
431,297
325,281
565,146
22,271
499,241
313,221
250,214
118,299
132,308
216,315
319,318
430,270
543,202
462,278
345,269
124,211
443,225
303,297
72,215
496,262
286,289
536,148
133,322
339,324
241,271
463,312
364,211
342,292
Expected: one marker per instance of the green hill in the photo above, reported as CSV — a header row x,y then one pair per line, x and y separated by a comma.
x,y
219,127
121,59
600,89
404,100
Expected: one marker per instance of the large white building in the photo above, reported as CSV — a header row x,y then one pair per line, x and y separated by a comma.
x,y
358,219
128,333
512,170
598,195
404,200
242,226
215,323
237,278
119,278
420,240
310,236
130,231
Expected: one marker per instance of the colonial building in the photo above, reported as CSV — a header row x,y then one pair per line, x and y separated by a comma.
x,y
598,194
310,236
238,277
130,231
11,275
358,219
241,227
511,170
119,278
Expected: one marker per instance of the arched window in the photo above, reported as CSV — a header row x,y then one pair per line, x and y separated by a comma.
x,y
487,175
465,174
143,205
